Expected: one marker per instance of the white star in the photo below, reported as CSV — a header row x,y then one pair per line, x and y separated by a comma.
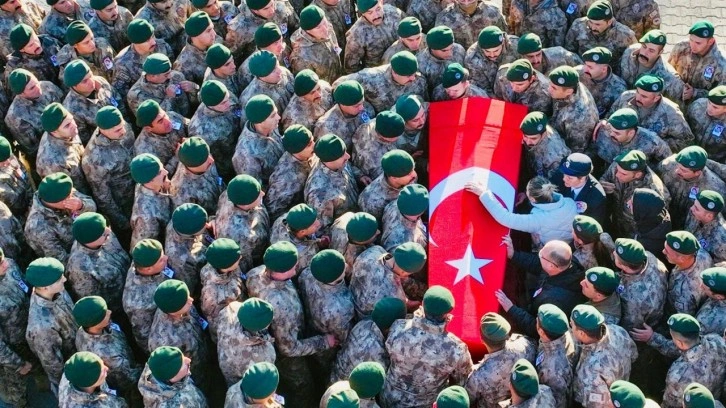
x,y
469,265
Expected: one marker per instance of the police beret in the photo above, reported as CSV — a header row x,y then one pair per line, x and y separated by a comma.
x,y
702,29
344,399
5,149
684,324
692,157
715,279
717,95
18,80
139,31
632,160
76,32
577,165
83,369
260,380
75,72
630,251
267,34
197,23
212,92
494,327
552,319
600,10
650,83
710,200
280,257
255,314
243,190
524,379
44,272
165,362
20,36
55,188
296,138
565,76
108,117
305,81
389,125
157,63
311,16
624,394
439,37
408,106
410,257
361,227
598,55
367,379
586,228
365,5
189,219
683,242
52,117
656,37
88,227
262,63
193,152
257,4
404,63
454,74
623,119
603,279
90,311
100,4
147,252
413,200
217,56
528,44
300,217
520,70
171,295
145,167
534,124
259,108
490,37
587,317
348,93
438,301
327,265
147,111
387,310
454,396
408,27
697,396
329,148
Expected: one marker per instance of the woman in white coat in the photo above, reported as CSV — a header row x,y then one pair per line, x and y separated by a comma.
x,y
551,216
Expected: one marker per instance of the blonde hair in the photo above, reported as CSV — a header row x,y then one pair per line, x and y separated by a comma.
x,y
541,190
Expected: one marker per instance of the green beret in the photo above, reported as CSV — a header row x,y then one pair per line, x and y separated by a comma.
x,y
413,200
361,227
165,362
396,163
100,4
683,323
534,124
715,279
524,379
200,4
77,31
157,63
454,74
197,23
280,257
683,242
603,279
600,10
212,93
193,152
257,4
243,190
632,160
365,5
301,216
217,56
408,27
390,125
88,227
259,108
453,397
367,379
296,138
494,327
439,37
408,106
83,369
145,167
327,265
90,311
223,253
267,34
624,394
404,63
710,200
329,148
147,252
55,188
108,117
344,399
586,228
74,73
491,37
438,301
260,380
587,317
52,117
20,36
630,251
598,55
262,63
410,256
305,81
189,219
171,295
552,319
656,37
692,157
528,44
717,95
311,16
565,76
702,29
624,119
44,272
520,70
650,83
697,396
348,93
18,80
139,31
147,111
5,149
388,310
255,314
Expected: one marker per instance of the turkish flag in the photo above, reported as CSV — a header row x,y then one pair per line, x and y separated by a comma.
x,y
470,139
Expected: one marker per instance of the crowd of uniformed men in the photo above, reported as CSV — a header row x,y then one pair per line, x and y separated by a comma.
x,y
208,203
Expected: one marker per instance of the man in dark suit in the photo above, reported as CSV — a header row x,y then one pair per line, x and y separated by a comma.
x,y
574,180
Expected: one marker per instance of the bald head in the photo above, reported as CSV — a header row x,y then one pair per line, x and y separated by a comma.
x,y
558,255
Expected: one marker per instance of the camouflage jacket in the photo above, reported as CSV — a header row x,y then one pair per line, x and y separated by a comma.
x,y
227,11
685,291
328,308
114,32
280,93
185,332
168,23
377,195
342,385
336,122
467,27
339,242
55,24
555,363
60,155
307,246
543,399
100,61
138,302
322,56
14,306
31,14
368,149
585,254
373,279
426,11
150,215
72,397
287,183
235,83
605,91
113,348
191,61
364,343
711,236
187,255
617,38
241,29
546,19
12,237
220,131
23,117
341,16
366,43
45,66
301,112
331,193
163,395
15,189
482,70
398,229
472,91
127,66
554,57
643,295
709,132
703,73
545,157
256,154
640,16
575,117
607,148
142,90
381,90
236,398
712,316
432,68
164,146
249,229
219,290
203,189
536,97
631,69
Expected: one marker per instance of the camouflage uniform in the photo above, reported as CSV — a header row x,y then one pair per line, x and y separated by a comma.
x,y
544,398
227,11
616,38
365,342
256,154
329,308
640,16
482,70
15,189
711,236
575,117
467,27
234,83
340,386
585,254
322,56
106,166
59,155
664,119
138,302
55,24
115,32
472,91
545,19
14,350
399,46
372,280
219,290
84,108
127,66
605,91
12,239
381,90
712,316
417,374
280,93
340,16
339,242
287,183
163,395
45,66
398,229
554,57
685,292
702,73
331,193
631,69
220,131
307,246
301,112
336,122
555,362
100,61
536,97
426,11
545,157
203,189
574,9
187,256
643,295
143,90
655,148
241,29
376,196
164,146
487,383
191,61
368,149
432,68
51,333
249,229
600,364
244,76
366,43
150,214
168,24
709,132
31,14
100,272
238,348
48,231
72,397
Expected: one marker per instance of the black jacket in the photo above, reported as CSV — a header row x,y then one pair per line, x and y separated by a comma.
x,y
592,195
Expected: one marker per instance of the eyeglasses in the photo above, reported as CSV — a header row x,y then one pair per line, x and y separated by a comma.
x,y
548,260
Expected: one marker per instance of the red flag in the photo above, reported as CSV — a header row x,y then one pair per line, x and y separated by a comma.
x,y
470,139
